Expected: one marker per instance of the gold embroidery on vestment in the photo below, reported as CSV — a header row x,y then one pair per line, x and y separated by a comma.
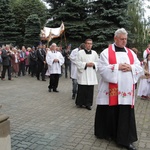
x,y
113,91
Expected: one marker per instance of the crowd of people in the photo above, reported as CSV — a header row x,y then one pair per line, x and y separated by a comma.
x,y
119,71
31,60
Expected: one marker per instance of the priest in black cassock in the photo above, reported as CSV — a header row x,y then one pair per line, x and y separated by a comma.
x,y
119,69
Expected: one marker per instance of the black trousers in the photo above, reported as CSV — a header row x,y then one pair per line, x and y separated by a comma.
x,y
40,70
53,83
85,95
117,123
8,68
21,68
33,69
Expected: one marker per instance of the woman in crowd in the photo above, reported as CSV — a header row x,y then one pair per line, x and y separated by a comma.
x,y
15,62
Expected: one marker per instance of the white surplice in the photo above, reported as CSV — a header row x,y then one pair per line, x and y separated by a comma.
x,y
86,76
73,57
125,80
144,85
54,67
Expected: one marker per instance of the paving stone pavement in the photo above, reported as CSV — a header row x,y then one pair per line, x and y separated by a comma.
x,y
42,120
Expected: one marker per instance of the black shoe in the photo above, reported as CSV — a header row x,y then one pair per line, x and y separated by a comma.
x,y
55,91
73,96
49,90
131,147
88,107
10,79
38,78
43,80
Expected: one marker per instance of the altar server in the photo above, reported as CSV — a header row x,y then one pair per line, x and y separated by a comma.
x,y
54,60
86,63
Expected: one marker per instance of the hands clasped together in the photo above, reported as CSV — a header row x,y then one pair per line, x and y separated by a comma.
x,y
125,67
90,64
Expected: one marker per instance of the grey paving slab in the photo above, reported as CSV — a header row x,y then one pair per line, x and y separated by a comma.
x,y
42,120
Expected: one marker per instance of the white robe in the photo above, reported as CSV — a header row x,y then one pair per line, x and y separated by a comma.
x,y
145,54
73,57
86,76
125,80
54,67
144,85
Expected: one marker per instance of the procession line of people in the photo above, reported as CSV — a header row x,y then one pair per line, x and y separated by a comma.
x,y
118,69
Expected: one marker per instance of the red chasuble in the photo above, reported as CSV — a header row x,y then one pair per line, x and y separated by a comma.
x,y
113,88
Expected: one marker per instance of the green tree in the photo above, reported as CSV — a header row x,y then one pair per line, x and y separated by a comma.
x,y
24,8
148,31
102,18
73,14
105,16
136,15
8,29
139,26
32,31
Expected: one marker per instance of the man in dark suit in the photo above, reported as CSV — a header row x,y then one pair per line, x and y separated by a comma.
x,y
33,61
6,57
41,54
